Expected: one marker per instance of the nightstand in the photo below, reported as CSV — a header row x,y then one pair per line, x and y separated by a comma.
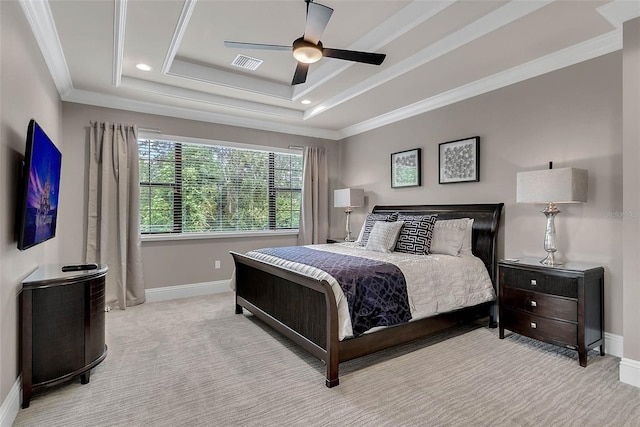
x,y
336,240
561,305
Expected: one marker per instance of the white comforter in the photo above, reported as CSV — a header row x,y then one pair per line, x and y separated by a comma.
x,y
435,283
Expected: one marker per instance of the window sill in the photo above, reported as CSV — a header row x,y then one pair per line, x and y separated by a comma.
x,y
219,235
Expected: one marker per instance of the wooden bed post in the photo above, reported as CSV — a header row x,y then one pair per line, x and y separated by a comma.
x,y
238,306
333,357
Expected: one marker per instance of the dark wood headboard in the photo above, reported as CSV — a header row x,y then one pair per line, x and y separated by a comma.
x,y
485,226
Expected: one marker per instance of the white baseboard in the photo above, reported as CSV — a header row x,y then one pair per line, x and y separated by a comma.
x,y
630,372
11,405
613,344
184,291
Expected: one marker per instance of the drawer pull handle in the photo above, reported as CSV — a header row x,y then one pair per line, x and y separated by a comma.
x,y
533,325
534,282
534,304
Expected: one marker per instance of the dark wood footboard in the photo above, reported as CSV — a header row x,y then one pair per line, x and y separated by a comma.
x,y
301,308
304,309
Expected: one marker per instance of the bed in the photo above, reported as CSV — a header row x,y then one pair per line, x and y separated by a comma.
x,y
304,308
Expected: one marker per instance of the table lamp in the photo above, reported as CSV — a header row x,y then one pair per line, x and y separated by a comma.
x,y
552,186
348,198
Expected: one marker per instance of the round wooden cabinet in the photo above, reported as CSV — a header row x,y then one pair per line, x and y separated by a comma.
x,y
62,326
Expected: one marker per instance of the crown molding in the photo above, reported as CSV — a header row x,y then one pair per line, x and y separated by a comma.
x,y
178,34
207,98
40,19
498,18
119,23
584,51
619,11
121,103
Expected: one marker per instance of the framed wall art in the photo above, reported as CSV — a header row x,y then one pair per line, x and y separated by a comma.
x,y
406,168
459,160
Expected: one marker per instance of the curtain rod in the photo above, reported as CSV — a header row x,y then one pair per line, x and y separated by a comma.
x,y
296,147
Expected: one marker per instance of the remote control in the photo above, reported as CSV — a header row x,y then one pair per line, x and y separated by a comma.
x,y
79,267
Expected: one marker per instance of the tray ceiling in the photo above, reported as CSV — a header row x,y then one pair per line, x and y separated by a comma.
x,y
438,52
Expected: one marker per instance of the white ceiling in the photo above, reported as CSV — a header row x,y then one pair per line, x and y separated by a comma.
x,y
438,52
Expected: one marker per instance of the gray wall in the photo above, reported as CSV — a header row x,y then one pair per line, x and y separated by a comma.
x,y
631,218
571,117
166,263
27,92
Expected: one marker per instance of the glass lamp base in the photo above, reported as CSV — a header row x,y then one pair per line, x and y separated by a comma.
x,y
550,211
551,260
347,237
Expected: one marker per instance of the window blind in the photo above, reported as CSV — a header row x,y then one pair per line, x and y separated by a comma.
x,y
196,188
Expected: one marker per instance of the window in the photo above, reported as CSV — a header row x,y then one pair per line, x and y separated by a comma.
x,y
196,188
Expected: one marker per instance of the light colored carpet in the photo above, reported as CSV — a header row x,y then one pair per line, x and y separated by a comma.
x,y
193,362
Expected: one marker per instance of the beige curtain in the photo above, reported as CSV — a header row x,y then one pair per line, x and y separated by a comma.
x,y
113,226
314,212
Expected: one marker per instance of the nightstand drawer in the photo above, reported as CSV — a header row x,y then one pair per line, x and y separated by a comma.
x,y
539,282
540,328
541,304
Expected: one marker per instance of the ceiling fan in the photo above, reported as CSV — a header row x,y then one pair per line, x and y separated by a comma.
x,y
308,48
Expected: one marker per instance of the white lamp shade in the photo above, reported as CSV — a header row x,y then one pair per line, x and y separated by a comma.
x,y
348,197
564,185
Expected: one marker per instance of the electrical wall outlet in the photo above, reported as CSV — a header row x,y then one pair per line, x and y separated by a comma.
x,y
217,264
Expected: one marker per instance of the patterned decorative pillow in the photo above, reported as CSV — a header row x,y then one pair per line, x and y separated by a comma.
x,y
383,236
416,234
370,221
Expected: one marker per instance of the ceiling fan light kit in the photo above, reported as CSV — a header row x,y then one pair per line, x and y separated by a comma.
x,y
308,48
306,52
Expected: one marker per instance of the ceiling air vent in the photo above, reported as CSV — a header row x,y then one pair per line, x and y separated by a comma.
x,y
246,62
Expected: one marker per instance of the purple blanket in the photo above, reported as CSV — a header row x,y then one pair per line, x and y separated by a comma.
x,y
376,291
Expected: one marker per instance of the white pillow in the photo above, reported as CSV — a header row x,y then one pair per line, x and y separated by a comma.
x,y
359,239
466,243
448,236
383,236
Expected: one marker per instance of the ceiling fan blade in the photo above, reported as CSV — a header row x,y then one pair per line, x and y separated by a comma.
x,y
242,45
317,19
352,55
300,76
